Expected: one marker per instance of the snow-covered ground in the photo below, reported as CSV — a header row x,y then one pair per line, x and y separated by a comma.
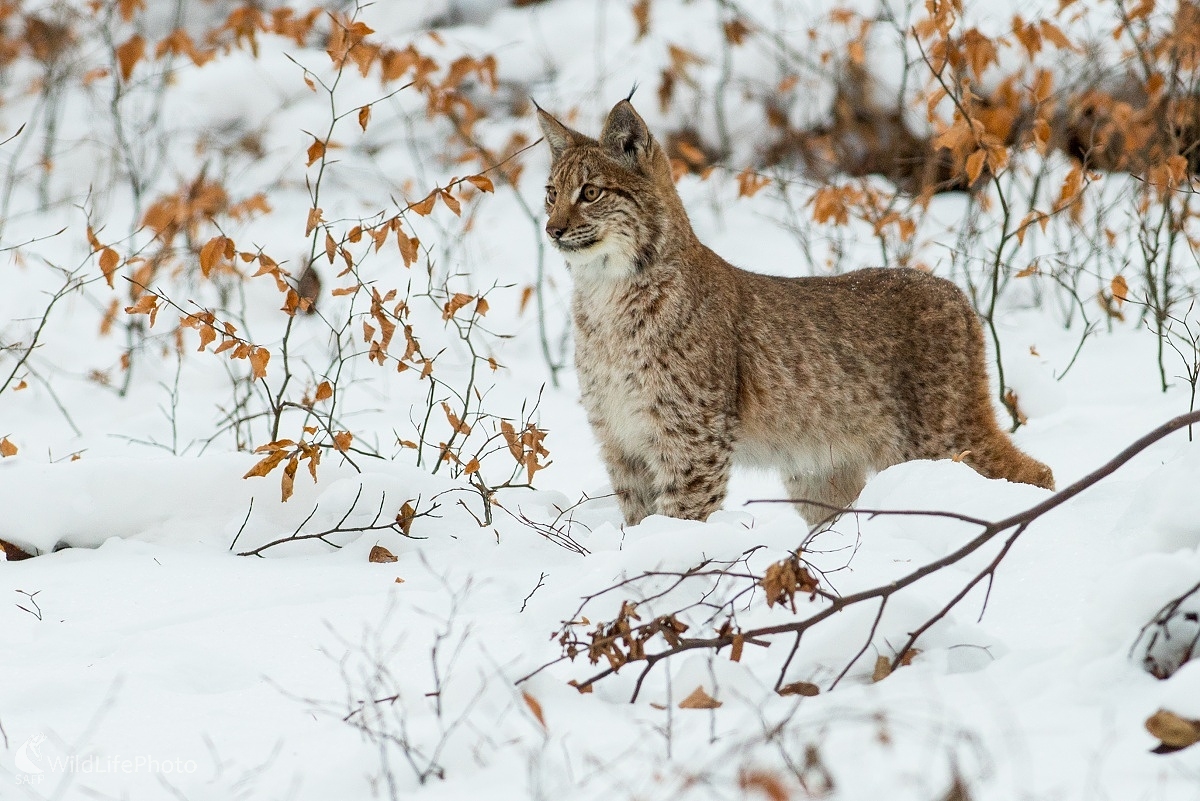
x,y
149,660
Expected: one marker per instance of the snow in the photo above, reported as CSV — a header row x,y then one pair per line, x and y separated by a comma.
x,y
146,658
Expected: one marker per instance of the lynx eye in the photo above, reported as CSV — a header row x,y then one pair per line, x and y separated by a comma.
x,y
590,193
551,194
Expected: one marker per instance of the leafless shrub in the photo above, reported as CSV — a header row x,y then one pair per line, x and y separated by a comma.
x,y
1171,637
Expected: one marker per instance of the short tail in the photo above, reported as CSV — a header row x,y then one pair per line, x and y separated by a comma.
x,y
998,457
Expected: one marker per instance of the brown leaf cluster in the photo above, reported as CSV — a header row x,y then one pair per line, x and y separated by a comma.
x,y
386,323
784,579
379,235
209,329
526,447
289,454
624,639
245,22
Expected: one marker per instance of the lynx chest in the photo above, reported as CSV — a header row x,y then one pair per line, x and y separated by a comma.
x,y
623,366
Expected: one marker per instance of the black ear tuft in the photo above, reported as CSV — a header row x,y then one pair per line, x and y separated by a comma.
x,y
558,136
625,135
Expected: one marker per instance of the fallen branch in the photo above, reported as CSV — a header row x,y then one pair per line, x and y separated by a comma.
x,y
633,637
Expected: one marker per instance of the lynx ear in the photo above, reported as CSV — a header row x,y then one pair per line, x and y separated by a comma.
x,y
625,135
558,136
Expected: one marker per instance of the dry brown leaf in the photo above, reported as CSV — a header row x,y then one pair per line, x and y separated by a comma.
x,y
129,54
1043,86
109,260
1174,731
266,465
380,555
408,247
212,252
768,784
641,16
324,391
535,707
364,117
1071,187
1027,35
424,207
1013,402
510,436
315,151
146,304
527,294
805,688
314,219
1120,289
736,31
7,448
208,335
735,650
258,362
857,51
451,201
288,481
975,165
14,554
749,183
1041,135
883,668
1054,35
127,7
482,183
406,515
455,303
698,699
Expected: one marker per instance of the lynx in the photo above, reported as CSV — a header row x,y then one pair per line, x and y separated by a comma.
x,y
688,364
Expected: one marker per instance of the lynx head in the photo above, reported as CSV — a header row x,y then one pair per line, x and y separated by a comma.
x,y
610,201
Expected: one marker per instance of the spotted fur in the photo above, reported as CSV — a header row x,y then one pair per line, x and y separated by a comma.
x,y
687,364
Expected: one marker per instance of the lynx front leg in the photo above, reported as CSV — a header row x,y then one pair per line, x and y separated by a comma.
x,y
692,476
631,481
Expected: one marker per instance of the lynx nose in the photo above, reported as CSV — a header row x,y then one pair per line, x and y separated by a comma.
x,y
555,231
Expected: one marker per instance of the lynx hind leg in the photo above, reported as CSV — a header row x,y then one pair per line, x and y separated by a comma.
x,y
838,487
995,456
632,483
